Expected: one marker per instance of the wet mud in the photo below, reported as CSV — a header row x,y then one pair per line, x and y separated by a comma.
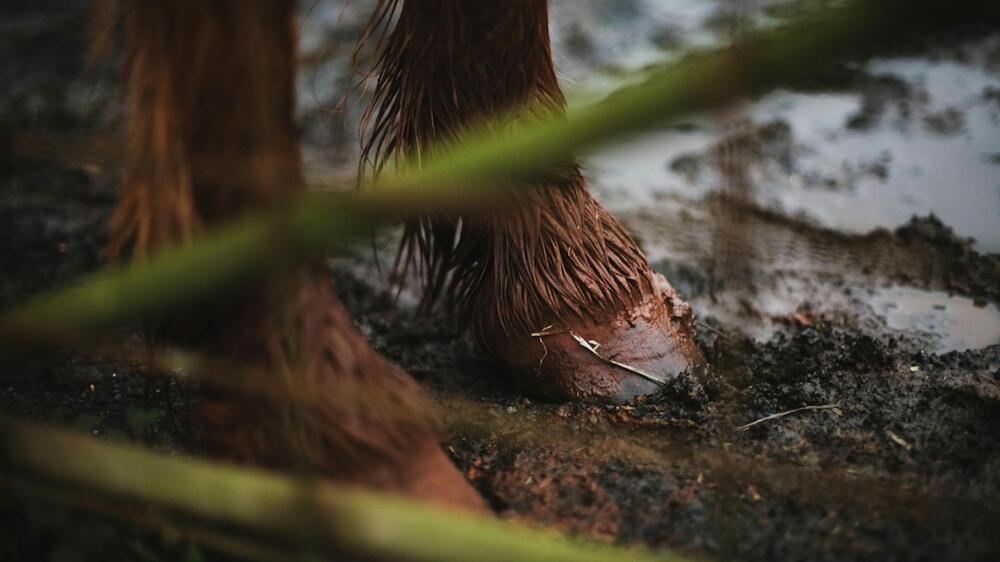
x,y
844,413
898,461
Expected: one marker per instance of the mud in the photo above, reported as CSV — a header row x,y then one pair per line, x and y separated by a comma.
x,y
904,467
900,459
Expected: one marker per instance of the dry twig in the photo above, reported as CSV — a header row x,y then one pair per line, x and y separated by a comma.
x,y
833,407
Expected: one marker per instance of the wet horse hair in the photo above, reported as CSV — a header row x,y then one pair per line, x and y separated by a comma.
x,y
445,67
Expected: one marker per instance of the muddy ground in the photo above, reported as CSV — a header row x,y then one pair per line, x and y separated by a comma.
x,y
898,459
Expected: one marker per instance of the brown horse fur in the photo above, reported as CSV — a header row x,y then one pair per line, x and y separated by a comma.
x,y
210,100
212,136
445,66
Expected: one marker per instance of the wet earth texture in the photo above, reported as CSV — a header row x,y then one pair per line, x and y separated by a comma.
x,y
838,244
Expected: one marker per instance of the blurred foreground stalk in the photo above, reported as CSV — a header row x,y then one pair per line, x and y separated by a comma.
x,y
293,511
245,251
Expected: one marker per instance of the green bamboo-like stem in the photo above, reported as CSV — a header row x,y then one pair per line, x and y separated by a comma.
x,y
334,518
179,528
256,246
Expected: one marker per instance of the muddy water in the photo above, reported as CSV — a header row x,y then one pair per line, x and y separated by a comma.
x,y
959,322
902,137
908,136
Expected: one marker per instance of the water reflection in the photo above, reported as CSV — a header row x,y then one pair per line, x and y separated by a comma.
x,y
953,323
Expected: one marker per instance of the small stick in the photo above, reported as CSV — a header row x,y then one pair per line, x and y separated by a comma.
x,y
717,331
550,330
790,412
898,440
591,346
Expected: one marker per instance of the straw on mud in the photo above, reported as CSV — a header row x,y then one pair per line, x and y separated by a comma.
x,y
546,331
717,331
833,407
592,346
339,519
252,248
898,440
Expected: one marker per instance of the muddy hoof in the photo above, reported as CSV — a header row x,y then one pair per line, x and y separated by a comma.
x,y
612,362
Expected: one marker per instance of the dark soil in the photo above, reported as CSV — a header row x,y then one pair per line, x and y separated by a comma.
x,y
906,466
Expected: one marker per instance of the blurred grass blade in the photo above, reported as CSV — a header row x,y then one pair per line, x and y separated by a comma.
x,y
238,253
335,518
762,60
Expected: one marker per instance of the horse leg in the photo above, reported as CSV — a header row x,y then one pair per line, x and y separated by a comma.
x,y
212,137
556,271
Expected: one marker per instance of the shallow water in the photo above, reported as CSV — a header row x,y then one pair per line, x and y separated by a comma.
x,y
920,136
915,136
957,322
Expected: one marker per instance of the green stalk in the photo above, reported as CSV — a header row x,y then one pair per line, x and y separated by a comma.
x,y
333,518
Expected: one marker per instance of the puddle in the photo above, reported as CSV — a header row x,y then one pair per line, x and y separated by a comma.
x,y
937,159
907,136
957,321
937,320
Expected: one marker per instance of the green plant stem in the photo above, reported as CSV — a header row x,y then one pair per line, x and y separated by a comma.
x,y
150,520
301,511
